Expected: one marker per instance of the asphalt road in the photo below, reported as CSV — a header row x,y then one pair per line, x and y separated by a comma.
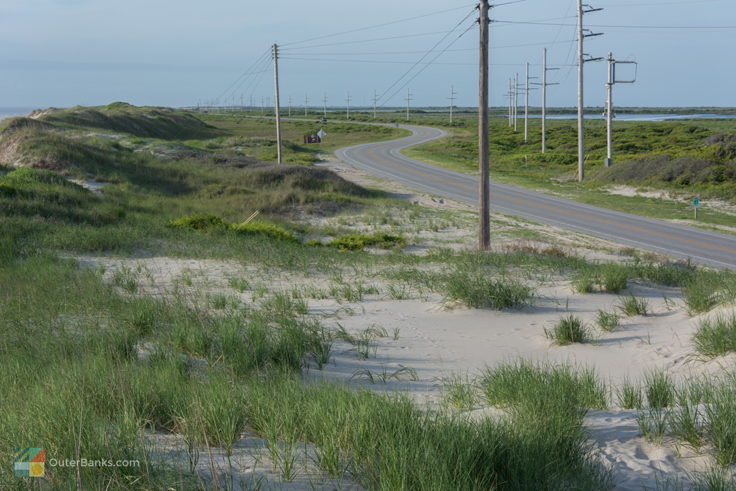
x,y
384,159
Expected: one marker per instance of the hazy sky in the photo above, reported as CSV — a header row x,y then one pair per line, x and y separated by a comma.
x,y
180,52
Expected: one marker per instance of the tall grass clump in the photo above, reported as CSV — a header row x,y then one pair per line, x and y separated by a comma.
x,y
629,395
388,443
720,421
479,291
459,392
632,305
524,382
607,321
659,389
568,330
716,336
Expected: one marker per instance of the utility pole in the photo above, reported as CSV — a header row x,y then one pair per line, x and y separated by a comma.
x,y
609,110
324,105
348,99
375,103
452,100
511,102
289,106
277,100
544,85
526,105
612,80
516,102
408,102
582,34
263,106
484,239
306,104
252,106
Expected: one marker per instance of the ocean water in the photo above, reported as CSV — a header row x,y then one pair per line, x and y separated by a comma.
x,y
645,116
7,112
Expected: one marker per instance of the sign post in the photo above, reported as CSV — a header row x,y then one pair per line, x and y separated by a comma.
x,y
696,204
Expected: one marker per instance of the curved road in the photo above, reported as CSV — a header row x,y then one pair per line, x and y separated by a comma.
x,y
385,159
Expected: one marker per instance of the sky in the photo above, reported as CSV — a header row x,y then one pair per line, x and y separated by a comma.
x,y
186,52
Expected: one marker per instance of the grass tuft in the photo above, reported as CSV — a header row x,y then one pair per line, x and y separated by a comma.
x,y
632,305
568,330
716,336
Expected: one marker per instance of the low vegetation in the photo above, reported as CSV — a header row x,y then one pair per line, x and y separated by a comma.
x,y
95,365
569,330
716,336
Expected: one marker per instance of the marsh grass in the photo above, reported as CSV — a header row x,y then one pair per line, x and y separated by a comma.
x,y
568,330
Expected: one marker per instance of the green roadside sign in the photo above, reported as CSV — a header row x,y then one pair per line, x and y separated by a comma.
x,y
696,202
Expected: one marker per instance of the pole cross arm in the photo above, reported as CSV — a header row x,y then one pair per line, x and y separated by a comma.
x,y
592,34
590,9
592,59
636,70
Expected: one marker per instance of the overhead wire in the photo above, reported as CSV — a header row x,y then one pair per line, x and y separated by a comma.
x,y
428,64
248,72
376,26
438,43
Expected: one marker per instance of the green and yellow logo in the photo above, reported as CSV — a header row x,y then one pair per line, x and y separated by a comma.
x,y
29,462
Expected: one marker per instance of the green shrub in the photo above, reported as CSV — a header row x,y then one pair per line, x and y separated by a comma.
x,y
568,330
265,229
199,222
357,242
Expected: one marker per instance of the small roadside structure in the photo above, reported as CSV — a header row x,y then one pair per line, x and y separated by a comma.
x,y
313,138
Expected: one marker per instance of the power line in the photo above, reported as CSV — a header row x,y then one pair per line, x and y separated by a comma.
x,y
369,53
405,74
352,31
614,26
387,38
407,62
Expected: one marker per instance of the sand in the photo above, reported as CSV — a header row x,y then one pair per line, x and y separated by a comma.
x,y
438,339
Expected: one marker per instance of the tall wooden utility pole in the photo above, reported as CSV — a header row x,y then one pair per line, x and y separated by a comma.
x,y
375,104
275,55
544,85
484,239
516,102
511,102
348,99
526,105
324,105
306,104
581,62
408,102
612,80
527,88
452,101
